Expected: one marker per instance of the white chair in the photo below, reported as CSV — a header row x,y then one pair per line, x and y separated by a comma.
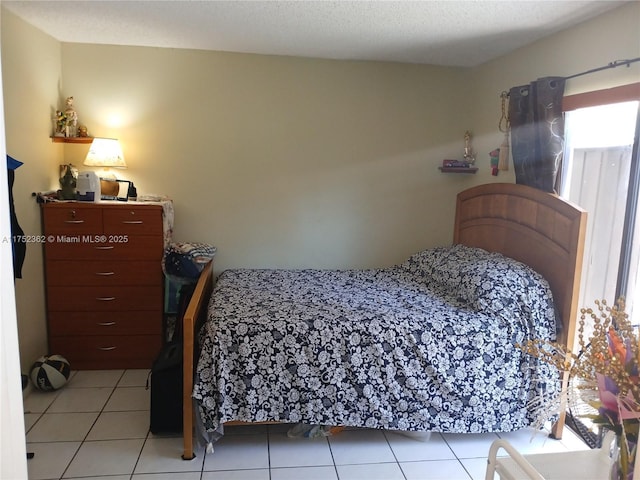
x,y
579,465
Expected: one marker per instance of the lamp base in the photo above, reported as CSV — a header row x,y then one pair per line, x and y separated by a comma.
x,y
109,188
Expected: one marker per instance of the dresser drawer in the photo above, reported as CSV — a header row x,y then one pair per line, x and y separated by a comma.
x,y
116,247
71,219
87,352
105,323
104,298
133,220
102,272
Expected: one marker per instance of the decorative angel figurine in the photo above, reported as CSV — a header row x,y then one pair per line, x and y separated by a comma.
x,y
72,119
468,152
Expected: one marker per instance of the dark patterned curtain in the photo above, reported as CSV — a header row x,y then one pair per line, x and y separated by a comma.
x,y
537,132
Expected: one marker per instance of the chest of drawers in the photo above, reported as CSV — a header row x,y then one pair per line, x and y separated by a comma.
x,y
104,283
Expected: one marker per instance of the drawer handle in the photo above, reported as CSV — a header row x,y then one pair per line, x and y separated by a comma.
x,y
105,247
106,324
105,274
105,299
132,222
107,349
74,221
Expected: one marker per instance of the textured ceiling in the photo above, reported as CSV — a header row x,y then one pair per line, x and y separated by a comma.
x,y
451,32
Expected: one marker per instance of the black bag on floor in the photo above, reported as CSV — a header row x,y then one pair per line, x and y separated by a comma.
x,y
166,390
166,376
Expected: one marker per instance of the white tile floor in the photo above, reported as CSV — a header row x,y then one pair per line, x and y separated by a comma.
x,y
97,426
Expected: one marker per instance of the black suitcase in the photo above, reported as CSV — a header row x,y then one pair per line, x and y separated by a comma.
x,y
166,376
166,390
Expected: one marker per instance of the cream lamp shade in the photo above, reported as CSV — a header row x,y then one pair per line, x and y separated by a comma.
x,y
106,153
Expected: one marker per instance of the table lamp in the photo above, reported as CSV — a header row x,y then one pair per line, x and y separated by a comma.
x,y
106,153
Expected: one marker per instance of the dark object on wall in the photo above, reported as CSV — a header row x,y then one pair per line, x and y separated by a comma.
x,y
17,234
537,132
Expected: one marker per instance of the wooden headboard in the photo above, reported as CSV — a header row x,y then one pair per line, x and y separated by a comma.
x,y
534,227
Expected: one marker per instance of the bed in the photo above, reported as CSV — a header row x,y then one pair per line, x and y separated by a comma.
x,y
426,345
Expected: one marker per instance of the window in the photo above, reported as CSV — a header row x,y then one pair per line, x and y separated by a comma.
x,y
601,174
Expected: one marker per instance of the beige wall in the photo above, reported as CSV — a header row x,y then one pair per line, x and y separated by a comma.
x,y
32,82
278,161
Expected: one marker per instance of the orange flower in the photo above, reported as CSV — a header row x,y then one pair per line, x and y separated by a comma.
x,y
616,346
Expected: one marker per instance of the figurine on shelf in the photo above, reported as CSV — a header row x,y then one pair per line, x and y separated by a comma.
x,y
82,131
61,123
469,157
71,129
495,156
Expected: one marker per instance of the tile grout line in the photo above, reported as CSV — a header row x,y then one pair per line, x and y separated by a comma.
x,y
333,460
135,465
458,458
146,437
269,450
113,389
384,434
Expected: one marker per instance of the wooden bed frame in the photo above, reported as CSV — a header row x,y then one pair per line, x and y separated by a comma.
x,y
529,225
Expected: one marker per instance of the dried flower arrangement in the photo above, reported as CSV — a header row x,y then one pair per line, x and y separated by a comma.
x,y
608,372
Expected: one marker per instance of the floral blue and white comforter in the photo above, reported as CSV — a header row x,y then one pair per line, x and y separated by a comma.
x,y
427,345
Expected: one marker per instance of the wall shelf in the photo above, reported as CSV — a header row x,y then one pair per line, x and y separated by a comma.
x,y
72,139
458,169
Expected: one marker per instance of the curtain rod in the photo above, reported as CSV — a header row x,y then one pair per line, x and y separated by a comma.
x,y
614,64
